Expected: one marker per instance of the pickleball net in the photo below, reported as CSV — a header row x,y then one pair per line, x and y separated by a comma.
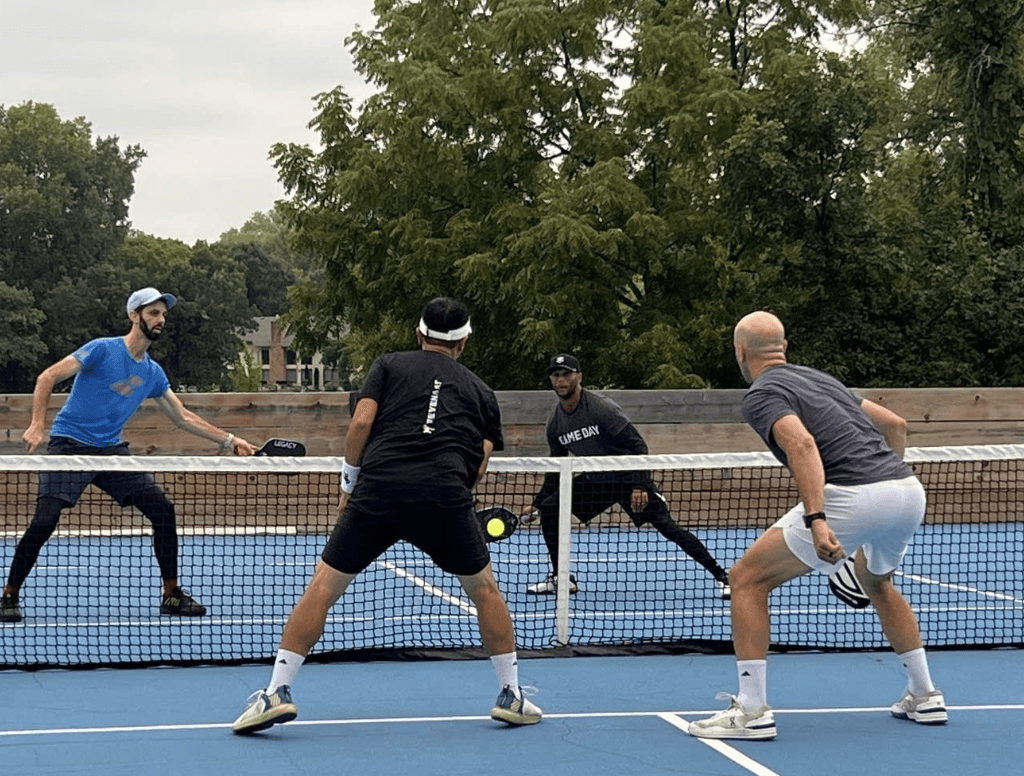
x,y
251,530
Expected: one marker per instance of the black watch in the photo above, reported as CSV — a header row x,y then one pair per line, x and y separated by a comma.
x,y
809,519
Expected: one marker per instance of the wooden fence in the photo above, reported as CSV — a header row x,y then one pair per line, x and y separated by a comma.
x,y
671,421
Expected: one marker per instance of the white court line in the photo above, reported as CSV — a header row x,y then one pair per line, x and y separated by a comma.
x,y
960,588
722,748
429,588
672,717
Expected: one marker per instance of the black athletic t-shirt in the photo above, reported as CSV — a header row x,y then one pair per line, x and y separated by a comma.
x,y
433,416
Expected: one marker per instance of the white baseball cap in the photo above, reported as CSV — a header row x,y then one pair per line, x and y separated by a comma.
x,y
148,295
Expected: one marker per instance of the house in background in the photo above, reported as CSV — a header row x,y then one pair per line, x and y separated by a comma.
x,y
283,368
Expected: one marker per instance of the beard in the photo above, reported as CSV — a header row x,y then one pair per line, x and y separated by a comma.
x,y
151,334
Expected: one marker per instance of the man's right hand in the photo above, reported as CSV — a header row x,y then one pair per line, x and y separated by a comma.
x,y
33,437
528,517
826,545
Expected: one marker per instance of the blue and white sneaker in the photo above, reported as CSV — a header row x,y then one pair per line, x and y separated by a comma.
x,y
515,711
263,711
736,722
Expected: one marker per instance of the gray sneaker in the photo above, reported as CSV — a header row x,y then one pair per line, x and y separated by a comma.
x,y
263,711
927,709
737,722
515,711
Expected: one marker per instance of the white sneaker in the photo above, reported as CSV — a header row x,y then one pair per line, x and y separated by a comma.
x,y
550,586
263,711
515,711
736,722
927,709
724,591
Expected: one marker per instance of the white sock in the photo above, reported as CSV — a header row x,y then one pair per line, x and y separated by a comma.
x,y
286,666
753,675
507,669
919,679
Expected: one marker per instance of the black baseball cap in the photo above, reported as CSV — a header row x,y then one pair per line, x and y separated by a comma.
x,y
563,362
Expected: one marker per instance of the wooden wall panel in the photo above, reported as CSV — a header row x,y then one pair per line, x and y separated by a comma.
x,y
671,421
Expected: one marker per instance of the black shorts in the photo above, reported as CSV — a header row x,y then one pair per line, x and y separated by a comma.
x,y
592,496
68,486
450,534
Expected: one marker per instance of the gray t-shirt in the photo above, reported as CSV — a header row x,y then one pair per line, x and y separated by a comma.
x,y
853,451
597,426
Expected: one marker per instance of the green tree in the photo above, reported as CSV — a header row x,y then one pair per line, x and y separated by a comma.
x,y
20,328
63,210
558,165
203,333
626,180
246,373
267,277
952,194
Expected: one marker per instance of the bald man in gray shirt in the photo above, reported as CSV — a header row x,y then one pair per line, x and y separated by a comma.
x,y
845,455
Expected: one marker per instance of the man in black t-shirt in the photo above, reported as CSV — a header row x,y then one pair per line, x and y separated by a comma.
x,y
585,423
845,455
421,435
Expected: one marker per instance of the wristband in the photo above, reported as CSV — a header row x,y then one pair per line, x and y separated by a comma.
x,y
226,444
809,519
349,475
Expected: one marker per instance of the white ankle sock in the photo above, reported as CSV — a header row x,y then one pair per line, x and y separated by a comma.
x,y
753,683
919,679
286,666
507,669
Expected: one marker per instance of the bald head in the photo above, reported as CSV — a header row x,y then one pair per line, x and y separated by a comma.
x,y
760,342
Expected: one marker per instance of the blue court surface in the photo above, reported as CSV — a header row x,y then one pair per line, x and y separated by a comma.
x,y
93,598
603,715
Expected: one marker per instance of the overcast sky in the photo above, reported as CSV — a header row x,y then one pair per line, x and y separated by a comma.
x,y
205,87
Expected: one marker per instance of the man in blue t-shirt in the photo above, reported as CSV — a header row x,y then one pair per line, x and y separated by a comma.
x,y
423,430
585,423
113,376
856,494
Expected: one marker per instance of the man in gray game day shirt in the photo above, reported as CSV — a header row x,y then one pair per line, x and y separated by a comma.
x,y
845,455
585,423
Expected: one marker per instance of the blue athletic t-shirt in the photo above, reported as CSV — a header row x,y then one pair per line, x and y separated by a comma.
x,y
107,392
852,450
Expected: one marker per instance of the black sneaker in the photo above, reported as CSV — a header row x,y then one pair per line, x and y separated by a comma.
x,y
9,609
180,604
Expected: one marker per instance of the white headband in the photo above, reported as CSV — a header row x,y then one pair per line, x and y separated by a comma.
x,y
450,336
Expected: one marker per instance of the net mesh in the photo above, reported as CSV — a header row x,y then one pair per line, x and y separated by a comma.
x,y
251,530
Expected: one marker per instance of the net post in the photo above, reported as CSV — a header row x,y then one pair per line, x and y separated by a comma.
x,y
564,554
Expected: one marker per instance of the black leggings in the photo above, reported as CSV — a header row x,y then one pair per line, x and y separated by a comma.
x,y
152,502
656,513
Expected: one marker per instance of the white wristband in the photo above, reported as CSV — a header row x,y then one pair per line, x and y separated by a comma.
x,y
226,444
349,475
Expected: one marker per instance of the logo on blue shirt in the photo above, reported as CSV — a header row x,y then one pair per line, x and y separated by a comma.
x,y
127,387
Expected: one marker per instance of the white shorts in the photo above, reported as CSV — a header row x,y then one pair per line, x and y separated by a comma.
x,y
880,517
